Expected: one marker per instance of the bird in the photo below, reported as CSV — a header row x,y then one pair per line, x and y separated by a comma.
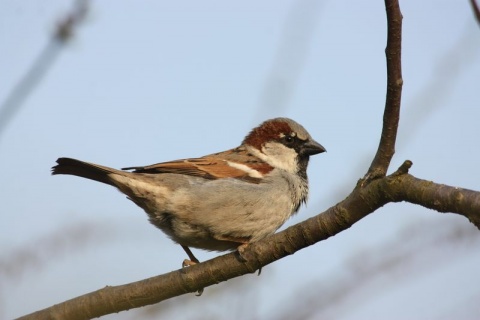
x,y
222,201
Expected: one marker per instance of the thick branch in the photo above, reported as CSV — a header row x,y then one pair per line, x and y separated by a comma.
x,y
399,186
153,290
391,115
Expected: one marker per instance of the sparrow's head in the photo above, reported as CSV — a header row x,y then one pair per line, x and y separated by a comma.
x,y
283,144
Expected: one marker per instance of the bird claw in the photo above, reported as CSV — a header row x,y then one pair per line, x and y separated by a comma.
x,y
241,252
242,257
188,263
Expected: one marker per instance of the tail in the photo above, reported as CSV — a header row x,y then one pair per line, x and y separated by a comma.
x,y
84,169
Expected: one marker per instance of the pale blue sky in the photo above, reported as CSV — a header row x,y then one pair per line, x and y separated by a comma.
x,y
149,81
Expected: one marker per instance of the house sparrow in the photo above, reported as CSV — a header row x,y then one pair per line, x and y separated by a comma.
x,y
223,200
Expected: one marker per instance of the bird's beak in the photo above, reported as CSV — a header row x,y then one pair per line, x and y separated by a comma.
x,y
312,147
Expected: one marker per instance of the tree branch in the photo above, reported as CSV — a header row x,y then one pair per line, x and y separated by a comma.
x,y
476,10
439,197
42,63
399,186
391,115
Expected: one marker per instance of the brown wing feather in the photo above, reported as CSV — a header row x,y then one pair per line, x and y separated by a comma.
x,y
214,166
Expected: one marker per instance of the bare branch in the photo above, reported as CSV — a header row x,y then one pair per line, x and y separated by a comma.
x,y
41,64
290,57
391,115
476,10
399,186
37,254
398,259
66,27
439,197
191,279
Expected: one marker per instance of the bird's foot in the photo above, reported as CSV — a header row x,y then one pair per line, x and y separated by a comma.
x,y
242,257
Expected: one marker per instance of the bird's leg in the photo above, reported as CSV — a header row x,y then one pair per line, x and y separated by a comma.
x,y
192,261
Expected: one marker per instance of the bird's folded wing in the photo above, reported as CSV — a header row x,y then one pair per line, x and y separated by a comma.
x,y
235,163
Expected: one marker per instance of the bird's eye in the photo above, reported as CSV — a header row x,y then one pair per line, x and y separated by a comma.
x,y
288,139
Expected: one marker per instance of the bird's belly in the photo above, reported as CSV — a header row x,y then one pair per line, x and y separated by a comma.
x,y
223,227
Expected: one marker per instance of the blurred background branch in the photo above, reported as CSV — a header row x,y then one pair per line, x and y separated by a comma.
x,y
476,10
64,31
414,251
38,253
290,57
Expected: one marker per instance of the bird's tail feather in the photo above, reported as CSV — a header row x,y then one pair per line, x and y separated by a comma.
x,y
84,169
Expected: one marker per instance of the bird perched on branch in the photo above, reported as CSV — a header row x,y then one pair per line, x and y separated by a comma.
x,y
220,201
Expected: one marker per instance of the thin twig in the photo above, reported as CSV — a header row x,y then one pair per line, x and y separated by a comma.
x,y
41,64
476,10
391,115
